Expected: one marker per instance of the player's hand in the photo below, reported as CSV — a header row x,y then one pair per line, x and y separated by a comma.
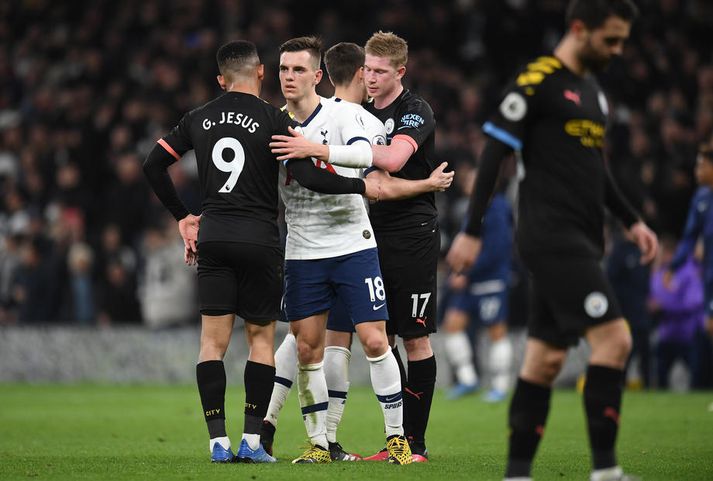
x,y
646,240
457,282
189,257
373,188
440,180
188,227
463,252
296,146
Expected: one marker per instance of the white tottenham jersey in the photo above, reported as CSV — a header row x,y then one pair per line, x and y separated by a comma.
x,y
321,226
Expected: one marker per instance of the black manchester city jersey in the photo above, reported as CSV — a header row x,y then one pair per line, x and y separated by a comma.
x,y
238,174
409,116
557,120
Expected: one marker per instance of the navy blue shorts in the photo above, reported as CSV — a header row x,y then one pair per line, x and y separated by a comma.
x,y
311,287
485,302
339,318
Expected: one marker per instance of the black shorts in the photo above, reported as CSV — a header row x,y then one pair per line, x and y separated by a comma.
x,y
569,295
240,278
409,264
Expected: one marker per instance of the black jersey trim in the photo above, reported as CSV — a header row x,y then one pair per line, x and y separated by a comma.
x,y
312,115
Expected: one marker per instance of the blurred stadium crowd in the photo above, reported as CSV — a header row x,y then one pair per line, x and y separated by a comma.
x,y
86,88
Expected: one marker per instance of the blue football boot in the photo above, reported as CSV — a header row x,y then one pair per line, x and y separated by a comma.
x,y
221,455
247,455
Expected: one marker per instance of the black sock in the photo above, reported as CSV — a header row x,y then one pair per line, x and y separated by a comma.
x,y
210,376
418,396
259,381
528,414
404,385
602,403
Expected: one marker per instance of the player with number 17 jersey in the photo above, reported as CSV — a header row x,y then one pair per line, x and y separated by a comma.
x,y
238,174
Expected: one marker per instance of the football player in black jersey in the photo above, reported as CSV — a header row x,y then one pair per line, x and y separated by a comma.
x,y
406,230
555,114
240,258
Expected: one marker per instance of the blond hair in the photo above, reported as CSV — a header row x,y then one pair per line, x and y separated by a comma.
x,y
388,45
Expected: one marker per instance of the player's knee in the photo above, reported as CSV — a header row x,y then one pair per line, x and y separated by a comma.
x,y
212,350
308,352
615,351
552,364
418,348
375,345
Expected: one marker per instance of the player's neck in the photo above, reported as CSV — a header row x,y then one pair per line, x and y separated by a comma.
x,y
244,86
350,93
303,107
567,54
386,100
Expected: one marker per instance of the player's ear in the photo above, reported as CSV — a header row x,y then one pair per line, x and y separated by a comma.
x,y
318,76
221,81
261,72
578,29
400,72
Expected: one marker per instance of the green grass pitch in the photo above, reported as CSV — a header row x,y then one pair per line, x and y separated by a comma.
x,y
146,432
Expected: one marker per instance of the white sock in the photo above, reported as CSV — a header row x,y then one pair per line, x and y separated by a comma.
x,y
223,441
285,373
460,355
500,364
614,473
312,389
253,440
336,372
386,381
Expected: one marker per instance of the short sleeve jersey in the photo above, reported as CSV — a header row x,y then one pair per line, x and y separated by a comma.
x,y
410,118
322,226
557,120
237,172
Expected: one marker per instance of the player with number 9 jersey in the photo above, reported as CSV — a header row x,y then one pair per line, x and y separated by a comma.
x,y
238,174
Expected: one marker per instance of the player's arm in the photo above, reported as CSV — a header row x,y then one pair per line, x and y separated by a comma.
x,y
693,229
356,154
644,237
396,188
394,156
167,151
359,154
467,244
415,124
320,180
496,236
156,170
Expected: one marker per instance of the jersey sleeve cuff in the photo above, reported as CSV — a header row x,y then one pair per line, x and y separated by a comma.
x,y
407,138
502,135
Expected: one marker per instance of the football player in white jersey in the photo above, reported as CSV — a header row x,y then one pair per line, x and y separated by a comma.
x,y
331,253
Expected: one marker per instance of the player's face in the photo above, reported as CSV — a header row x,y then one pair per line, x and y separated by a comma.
x,y
380,76
704,168
298,77
600,45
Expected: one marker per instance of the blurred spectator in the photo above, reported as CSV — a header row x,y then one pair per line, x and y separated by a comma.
x,y
33,284
167,286
678,303
80,258
117,296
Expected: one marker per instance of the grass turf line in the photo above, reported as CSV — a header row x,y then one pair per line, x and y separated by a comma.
x,y
145,432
